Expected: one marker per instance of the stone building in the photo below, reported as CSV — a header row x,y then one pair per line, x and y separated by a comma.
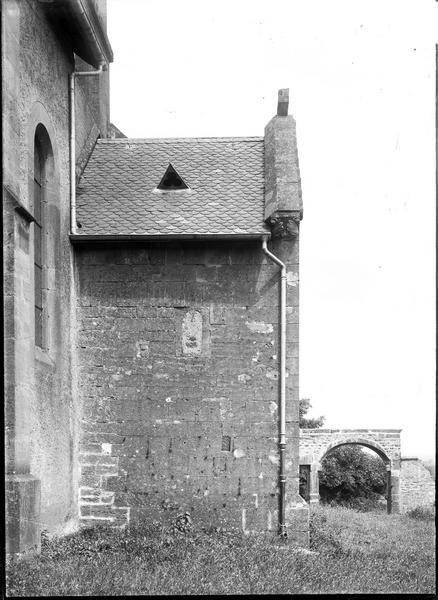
x,y
151,302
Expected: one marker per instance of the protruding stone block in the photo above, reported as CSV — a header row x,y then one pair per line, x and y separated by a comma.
x,y
297,519
23,528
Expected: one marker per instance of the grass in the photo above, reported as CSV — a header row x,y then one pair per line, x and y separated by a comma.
x,y
352,552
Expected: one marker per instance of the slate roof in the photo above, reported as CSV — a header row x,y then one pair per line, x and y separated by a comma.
x,y
116,196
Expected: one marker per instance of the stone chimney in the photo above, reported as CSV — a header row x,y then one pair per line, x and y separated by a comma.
x,y
283,203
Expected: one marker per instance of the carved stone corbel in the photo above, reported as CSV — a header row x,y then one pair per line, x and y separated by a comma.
x,y
286,225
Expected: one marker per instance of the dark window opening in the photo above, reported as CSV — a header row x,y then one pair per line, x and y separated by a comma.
x,y
38,174
305,482
226,443
172,181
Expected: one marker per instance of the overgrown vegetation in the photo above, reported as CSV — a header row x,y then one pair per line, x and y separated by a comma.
x,y
351,552
422,513
352,477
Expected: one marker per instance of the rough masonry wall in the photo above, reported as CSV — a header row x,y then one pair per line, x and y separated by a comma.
x,y
178,348
416,484
40,410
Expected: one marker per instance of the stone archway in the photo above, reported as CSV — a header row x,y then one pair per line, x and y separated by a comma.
x,y
382,455
315,444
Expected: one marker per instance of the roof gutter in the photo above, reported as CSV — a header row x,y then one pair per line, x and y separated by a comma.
x,y
103,55
84,26
76,238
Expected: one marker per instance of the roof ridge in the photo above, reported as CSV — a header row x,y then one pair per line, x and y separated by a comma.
x,y
178,139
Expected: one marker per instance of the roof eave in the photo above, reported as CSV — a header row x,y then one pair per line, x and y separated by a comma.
x,y
88,36
82,238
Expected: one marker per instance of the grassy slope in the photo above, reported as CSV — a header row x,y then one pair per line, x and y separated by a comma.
x,y
356,552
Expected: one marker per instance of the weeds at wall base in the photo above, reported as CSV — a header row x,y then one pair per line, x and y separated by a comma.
x,y
351,552
422,513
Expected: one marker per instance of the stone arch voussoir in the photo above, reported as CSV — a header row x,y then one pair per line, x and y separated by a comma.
x,y
358,441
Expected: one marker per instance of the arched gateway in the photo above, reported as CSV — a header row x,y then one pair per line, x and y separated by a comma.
x,y
316,443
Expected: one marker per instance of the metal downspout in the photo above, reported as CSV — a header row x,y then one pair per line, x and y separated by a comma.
x,y
72,78
282,403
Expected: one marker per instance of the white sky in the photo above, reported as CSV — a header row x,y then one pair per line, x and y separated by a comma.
x,y
362,90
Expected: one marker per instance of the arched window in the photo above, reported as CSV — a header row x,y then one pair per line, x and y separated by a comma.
x,y
38,194
44,181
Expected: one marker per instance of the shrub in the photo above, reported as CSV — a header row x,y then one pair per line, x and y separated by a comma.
x,y
422,513
349,473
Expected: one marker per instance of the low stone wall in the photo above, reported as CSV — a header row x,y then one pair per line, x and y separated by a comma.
x,y
417,485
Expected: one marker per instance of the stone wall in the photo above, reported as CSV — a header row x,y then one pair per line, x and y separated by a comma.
x,y
178,348
41,412
417,485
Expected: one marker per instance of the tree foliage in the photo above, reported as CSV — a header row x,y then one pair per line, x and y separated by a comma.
x,y
349,472
305,422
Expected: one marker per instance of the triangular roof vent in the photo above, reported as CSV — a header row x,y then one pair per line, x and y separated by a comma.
x,y
172,181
